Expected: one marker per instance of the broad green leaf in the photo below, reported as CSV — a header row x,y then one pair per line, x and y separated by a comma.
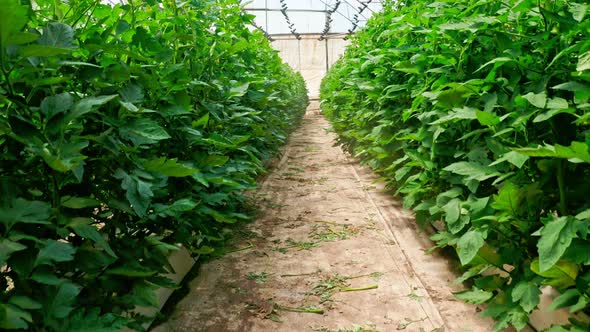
x,y
23,211
138,191
551,113
135,271
77,63
512,157
57,34
538,100
469,244
565,299
239,91
578,10
143,294
132,93
508,199
42,51
46,278
578,251
20,38
62,303
583,62
87,105
8,247
78,202
577,152
556,237
14,18
63,158
583,302
169,167
452,210
496,62
55,251
202,122
561,275
472,272
12,317
25,302
220,141
57,104
472,170
179,206
557,103
571,86
487,118
83,227
216,161
528,294
143,131
474,296
92,320
583,215
463,113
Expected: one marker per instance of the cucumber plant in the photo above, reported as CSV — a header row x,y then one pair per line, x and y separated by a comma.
x,y
125,130
477,114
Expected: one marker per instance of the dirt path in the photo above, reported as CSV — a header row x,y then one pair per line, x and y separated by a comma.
x,y
330,252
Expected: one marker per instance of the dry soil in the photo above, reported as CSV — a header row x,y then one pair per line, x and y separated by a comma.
x,y
331,251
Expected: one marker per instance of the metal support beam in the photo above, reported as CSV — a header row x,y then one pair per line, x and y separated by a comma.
x,y
288,10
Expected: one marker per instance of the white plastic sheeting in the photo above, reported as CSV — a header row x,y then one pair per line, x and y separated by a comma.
x,y
309,16
308,56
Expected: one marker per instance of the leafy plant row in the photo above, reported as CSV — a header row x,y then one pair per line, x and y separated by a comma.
x,y
478,114
124,131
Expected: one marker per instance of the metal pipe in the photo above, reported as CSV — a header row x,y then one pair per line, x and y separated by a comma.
x,y
288,9
266,13
327,59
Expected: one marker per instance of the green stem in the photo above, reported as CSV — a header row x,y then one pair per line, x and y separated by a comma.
x,y
561,185
5,73
356,289
298,275
249,246
304,310
542,15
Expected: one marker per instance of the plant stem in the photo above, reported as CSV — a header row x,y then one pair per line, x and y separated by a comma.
x,y
249,246
5,72
561,185
542,15
298,275
304,310
356,289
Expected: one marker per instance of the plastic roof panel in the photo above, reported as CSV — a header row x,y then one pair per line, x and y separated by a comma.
x,y
309,16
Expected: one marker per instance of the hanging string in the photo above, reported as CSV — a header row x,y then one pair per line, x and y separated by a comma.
x,y
355,18
291,25
329,20
266,34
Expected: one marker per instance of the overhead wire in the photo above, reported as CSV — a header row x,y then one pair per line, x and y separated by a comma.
x,y
351,5
363,6
329,20
288,20
338,12
264,32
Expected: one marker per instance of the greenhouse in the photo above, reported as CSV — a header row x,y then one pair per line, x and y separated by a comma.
x,y
294,165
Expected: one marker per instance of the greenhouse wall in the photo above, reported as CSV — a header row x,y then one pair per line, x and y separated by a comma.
x,y
309,56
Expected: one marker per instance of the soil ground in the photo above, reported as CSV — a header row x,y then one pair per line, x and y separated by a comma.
x,y
331,251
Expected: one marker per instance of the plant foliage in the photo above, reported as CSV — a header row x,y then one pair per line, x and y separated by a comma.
x,y
478,114
124,131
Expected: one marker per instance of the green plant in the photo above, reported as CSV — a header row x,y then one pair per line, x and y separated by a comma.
x,y
477,113
124,131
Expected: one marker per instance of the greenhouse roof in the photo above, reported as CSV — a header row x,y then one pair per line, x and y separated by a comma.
x,y
300,17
